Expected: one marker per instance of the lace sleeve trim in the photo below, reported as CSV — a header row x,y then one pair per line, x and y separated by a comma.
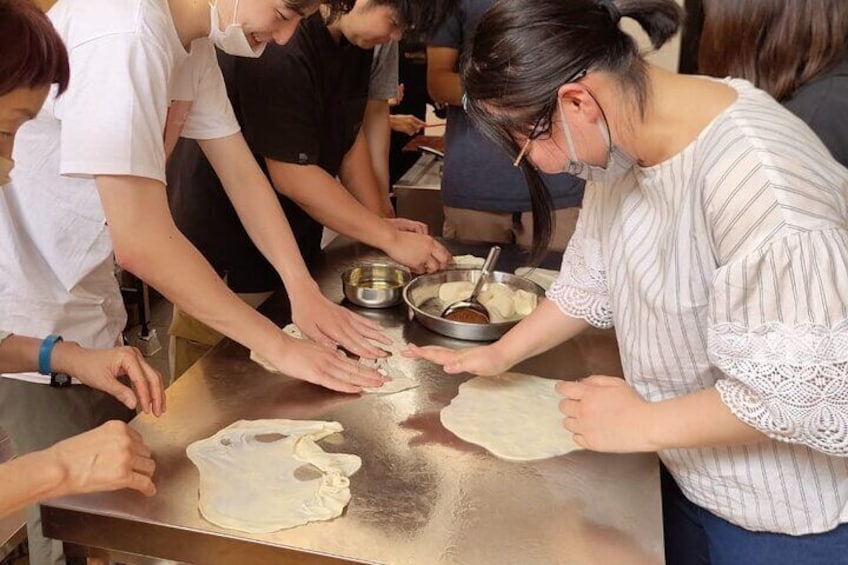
x,y
790,382
581,290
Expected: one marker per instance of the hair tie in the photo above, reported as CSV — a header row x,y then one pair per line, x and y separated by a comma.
x,y
612,10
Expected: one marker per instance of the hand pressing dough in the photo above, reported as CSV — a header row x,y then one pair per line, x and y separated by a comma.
x,y
514,416
386,367
261,476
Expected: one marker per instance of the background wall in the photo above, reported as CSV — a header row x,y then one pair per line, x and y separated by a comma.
x,y
667,57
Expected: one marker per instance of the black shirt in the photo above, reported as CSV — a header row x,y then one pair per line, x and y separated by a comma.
x,y
299,103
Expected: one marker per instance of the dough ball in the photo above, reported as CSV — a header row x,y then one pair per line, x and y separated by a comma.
x,y
451,292
499,304
524,302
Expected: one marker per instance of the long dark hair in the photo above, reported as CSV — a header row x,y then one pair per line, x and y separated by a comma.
x,y
524,50
778,46
32,54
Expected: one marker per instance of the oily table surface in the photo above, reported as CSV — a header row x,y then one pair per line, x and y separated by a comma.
x,y
422,496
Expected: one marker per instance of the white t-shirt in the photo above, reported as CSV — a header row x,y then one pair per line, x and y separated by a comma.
x,y
727,266
130,78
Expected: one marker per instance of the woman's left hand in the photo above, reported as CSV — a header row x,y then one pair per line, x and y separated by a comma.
x,y
332,325
606,414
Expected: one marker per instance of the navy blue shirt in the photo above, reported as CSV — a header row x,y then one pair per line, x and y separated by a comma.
x,y
478,175
823,104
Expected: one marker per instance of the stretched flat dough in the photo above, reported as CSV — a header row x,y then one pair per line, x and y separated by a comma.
x,y
399,382
251,484
543,277
514,416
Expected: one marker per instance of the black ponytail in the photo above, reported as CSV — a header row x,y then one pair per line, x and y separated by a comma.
x,y
660,19
524,50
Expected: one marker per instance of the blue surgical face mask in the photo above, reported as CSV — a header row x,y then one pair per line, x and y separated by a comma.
x,y
618,163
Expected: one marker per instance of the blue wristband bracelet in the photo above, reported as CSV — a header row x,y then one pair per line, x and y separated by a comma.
x,y
44,353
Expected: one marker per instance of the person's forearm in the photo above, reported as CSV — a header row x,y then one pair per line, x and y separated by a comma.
x,y
378,133
19,354
445,88
330,204
443,82
27,480
699,419
357,176
545,328
148,244
258,208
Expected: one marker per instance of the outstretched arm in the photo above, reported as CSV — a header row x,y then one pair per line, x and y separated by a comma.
x,y
263,218
97,368
110,457
148,243
543,329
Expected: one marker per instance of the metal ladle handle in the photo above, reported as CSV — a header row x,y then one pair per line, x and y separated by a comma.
x,y
486,271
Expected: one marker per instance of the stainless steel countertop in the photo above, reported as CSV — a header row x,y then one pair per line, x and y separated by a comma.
x,y
424,174
422,496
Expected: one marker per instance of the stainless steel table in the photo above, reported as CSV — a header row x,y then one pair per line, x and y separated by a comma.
x,y
422,497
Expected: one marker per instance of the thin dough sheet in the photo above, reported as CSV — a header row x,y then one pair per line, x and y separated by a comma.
x,y
516,417
389,367
262,476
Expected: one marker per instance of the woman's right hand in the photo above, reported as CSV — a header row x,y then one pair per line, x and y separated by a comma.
x,y
485,360
110,457
318,364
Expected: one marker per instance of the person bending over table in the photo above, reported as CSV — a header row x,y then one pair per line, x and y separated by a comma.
x,y
713,237
112,456
301,108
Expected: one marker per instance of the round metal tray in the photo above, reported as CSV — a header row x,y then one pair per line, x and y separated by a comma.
x,y
422,298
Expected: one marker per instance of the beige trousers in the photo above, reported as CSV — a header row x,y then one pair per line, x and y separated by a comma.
x,y
191,339
499,227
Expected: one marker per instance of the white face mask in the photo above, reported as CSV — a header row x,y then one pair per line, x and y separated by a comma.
x,y
6,166
233,40
618,164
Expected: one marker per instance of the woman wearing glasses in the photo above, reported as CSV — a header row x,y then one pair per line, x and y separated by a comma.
x,y
713,238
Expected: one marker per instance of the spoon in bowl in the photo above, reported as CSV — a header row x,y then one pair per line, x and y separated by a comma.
x,y
470,310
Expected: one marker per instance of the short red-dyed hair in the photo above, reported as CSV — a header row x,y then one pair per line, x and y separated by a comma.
x,y
32,54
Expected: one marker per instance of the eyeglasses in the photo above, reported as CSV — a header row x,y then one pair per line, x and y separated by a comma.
x,y
538,130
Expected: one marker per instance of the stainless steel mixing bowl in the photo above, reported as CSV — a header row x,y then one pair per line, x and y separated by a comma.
x,y
422,298
374,285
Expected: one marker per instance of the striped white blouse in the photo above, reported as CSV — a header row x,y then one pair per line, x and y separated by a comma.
x,y
727,266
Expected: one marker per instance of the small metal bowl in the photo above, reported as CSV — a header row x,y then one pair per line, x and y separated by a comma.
x,y
375,285
422,297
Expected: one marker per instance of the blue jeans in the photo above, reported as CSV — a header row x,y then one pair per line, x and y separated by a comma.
x,y
696,536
